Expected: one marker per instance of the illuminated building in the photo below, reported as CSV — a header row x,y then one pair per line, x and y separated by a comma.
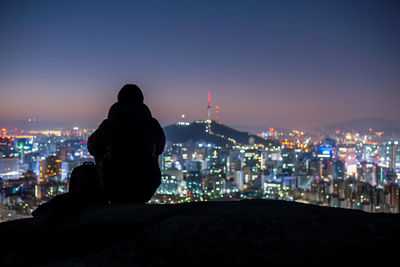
x,y
167,161
288,161
254,160
217,161
235,163
194,184
68,166
193,166
303,162
338,190
9,168
325,151
169,185
25,146
348,155
70,150
7,148
370,153
386,175
391,154
50,169
394,198
339,170
304,181
253,179
367,173
178,174
239,179
214,185
273,190
29,178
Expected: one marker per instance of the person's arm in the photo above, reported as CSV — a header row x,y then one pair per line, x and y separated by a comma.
x,y
95,143
159,137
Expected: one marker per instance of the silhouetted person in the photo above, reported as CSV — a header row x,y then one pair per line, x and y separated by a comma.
x,y
126,147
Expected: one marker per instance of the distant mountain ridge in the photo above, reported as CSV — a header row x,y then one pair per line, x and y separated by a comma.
x,y
260,129
221,135
362,125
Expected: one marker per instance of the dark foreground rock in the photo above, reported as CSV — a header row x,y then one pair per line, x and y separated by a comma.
x,y
247,233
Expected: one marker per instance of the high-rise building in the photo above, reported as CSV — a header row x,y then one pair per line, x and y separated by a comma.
x,y
367,173
348,155
288,162
214,185
169,185
391,154
239,179
339,170
50,169
194,184
8,148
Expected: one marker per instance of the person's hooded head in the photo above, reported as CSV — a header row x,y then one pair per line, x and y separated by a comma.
x,y
130,93
130,108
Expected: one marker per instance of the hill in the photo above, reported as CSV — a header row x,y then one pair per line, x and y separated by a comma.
x,y
246,233
220,134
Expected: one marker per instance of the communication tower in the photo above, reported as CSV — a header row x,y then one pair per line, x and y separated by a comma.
x,y
209,107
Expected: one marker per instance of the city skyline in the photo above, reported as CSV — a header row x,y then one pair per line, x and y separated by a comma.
x,y
282,63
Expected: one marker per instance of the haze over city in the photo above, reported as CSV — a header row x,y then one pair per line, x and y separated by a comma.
x,y
285,63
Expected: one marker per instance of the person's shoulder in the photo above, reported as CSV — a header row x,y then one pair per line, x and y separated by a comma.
x,y
155,125
105,123
155,122
143,111
116,105
113,109
144,108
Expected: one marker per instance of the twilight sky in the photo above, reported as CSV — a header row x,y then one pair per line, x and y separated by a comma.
x,y
285,63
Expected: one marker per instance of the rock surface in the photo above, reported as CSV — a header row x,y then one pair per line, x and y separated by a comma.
x,y
247,233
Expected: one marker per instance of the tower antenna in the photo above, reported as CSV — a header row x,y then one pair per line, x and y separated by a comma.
x,y
209,106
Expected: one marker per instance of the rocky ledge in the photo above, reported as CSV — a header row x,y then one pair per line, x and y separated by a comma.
x,y
247,233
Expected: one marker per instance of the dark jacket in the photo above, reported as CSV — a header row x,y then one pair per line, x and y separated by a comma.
x,y
126,147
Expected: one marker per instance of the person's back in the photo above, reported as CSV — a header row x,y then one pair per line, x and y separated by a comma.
x,y
126,147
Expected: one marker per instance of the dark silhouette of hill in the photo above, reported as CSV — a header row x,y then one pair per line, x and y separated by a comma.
x,y
220,134
238,233
362,125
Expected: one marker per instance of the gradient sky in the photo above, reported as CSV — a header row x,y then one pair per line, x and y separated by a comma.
x,y
286,63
